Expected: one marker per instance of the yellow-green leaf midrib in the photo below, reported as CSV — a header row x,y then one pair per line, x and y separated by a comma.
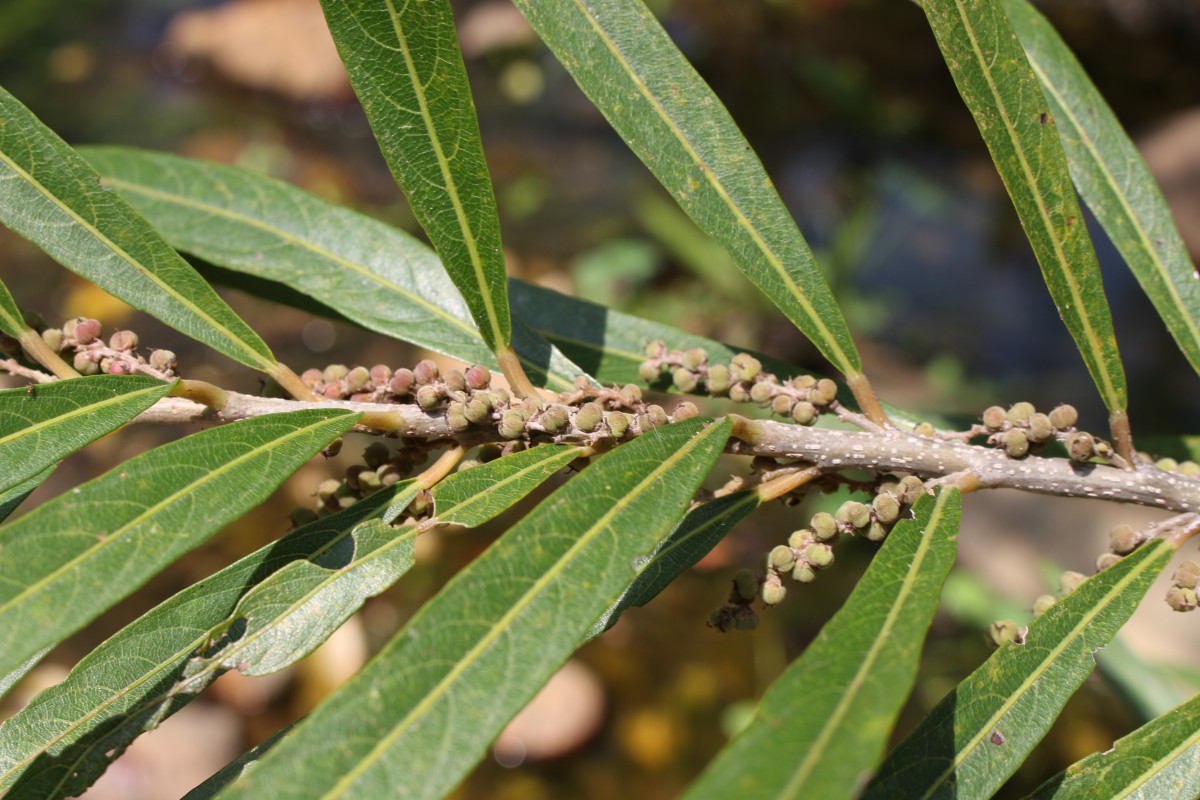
x,y
79,411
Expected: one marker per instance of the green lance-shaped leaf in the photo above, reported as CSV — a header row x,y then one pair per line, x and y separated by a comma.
x,y
422,712
66,736
1113,179
628,66
408,73
10,499
11,321
368,271
52,197
66,562
824,723
698,533
291,613
234,769
982,731
999,87
44,424
10,680
1159,759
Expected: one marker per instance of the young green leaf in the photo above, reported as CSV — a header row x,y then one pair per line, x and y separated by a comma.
x,y
628,66
50,195
408,73
372,273
1159,759
70,559
10,499
998,85
983,730
10,680
1113,179
68,734
824,723
235,769
11,321
44,424
422,712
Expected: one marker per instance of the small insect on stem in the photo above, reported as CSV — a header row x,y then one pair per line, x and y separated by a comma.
x,y
31,390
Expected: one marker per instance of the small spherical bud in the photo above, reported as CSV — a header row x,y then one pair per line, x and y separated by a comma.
x,y
694,358
376,455
477,410
649,371
389,474
1104,449
781,404
589,416
1002,632
1189,468
745,619
824,393
500,397
1167,464
718,379
1064,417
658,415
1106,560
1043,604
762,392
310,377
368,481
84,365
512,424
479,377
357,379
818,555
738,393
855,513
804,413
617,422
773,593
655,349
428,397
924,429
455,380
1123,540
876,531
328,488
684,380
1187,574
53,337
555,419
426,371
1181,599
334,391
1069,581
798,540
631,394
1019,413
745,587
113,367
1040,428
1081,446
85,330
994,418
744,367
803,382
402,382
335,372
1016,443
380,375
302,516
886,507
824,526
803,572
781,558
684,411
164,361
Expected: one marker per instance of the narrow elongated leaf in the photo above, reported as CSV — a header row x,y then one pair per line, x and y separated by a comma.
x,y
408,73
11,321
10,499
422,712
10,680
823,724
627,65
698,533
66,562
998,85
52,197
43,424
234,769
1113,179
982,731
65,737
370,272
291,613
1159,759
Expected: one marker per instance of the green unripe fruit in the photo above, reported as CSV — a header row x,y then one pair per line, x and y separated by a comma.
x,y
818,555
658,415
1081,446
744,367
1106,560
994,418
684,410
334,391
718,379
85,330
1167,464
762,392
376,454
1043,604
1016,443
1020,412
368,481
649,371
694,357
53,338
164,361
1123,540
781,404
1104,449
684,380
781,558
358,379
803,572
426,371
631,395
512,424
380,375
1181,599
855,513
479,377
798,540
428,397
876,531
1069,581
745,620
887,508
1064,416
618,423
804,413
335,372
1187,574
455,380
745,587
477,410
588,417
456,416
773,593
555,419
402,382
655,349
924,429
1040,428
310,377
84,365
389,474
303,516
824,393
1189,468
738,393
824,526
803,381
1002,632
328,488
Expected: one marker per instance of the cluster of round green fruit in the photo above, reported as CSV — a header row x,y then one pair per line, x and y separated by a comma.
x,y
742,380
1182,594
738,612
1021,428
81,340
381,467
1004,631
